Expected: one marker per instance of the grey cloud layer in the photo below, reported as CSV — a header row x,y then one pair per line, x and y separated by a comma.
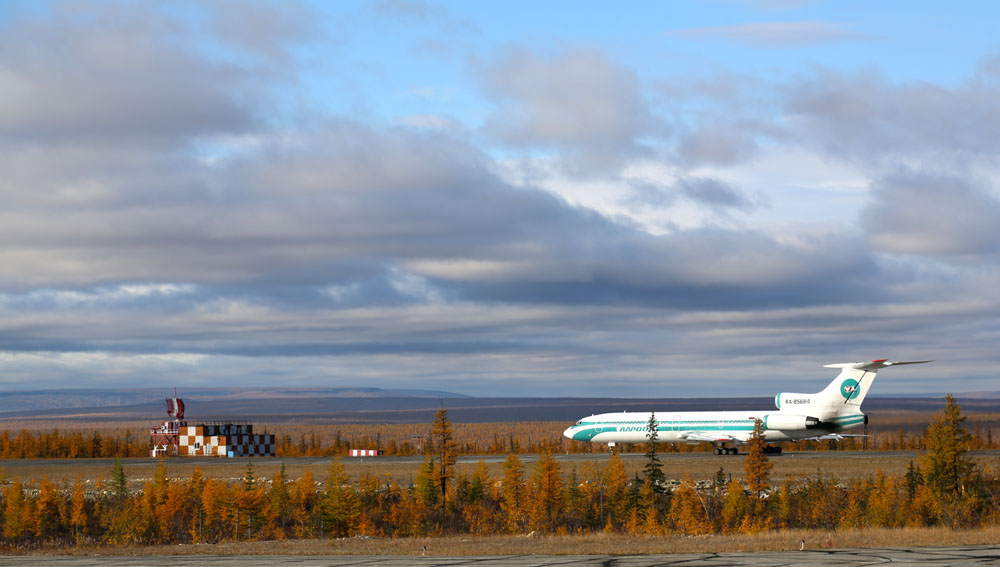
x,y
151,206
934,215
113,76
348,203
862,116
579,101
929,151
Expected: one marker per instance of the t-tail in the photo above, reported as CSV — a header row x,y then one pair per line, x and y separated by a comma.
x,y
843,396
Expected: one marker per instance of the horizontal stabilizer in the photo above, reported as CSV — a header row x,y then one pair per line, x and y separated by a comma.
x,y
873,365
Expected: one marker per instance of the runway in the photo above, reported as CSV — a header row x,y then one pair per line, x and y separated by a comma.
x,y
924,557
209,462
699,466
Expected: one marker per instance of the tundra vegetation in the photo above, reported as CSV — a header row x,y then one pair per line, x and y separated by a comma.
x,y
943,489
79,438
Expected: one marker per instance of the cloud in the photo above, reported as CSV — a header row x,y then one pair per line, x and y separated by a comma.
x,y
429,121
579,102
779,35
862,116
160,219
859,119
714,193
715,144
361,210
114,75
703,191
265,28
988,68
933,214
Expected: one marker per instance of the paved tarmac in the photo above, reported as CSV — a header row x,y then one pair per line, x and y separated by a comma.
x,y
924,557
206,463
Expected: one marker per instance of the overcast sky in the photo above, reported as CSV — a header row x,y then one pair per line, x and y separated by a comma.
x,y
499,198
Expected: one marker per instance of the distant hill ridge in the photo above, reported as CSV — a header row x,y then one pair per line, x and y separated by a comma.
x,y
34,400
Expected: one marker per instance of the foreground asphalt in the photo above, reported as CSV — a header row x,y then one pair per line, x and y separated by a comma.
x,y
924,556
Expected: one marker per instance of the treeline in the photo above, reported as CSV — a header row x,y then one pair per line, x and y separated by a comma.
x,y
57,444
542,499
943,488
412,439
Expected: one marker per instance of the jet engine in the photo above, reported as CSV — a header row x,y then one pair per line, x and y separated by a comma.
x,y
791,422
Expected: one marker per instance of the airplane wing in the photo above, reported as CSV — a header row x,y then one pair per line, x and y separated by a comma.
x,y
831,437
709,437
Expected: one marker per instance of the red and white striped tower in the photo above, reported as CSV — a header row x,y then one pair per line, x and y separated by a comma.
x,y
166,437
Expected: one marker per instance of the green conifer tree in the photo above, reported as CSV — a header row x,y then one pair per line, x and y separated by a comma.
x,y
119,482
946,465
444,449
914,479
654,468
425,488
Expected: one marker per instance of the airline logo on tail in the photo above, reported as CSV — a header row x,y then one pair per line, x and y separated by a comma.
x,y
849,389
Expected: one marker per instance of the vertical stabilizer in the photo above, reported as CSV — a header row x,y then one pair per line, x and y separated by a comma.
x,y
848,390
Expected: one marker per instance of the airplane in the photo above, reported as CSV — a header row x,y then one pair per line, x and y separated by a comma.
x,y
823,415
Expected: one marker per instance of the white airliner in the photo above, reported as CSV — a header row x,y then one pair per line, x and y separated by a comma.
x,y
823,415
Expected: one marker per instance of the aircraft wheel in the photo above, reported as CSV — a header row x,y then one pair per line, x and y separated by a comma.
x,y
733,451
777,450
718,451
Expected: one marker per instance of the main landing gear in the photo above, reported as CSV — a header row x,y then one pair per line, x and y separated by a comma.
x,y
768,449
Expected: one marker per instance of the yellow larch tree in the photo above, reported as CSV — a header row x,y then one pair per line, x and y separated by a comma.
x,y
513,498
545,495
17,515
688,510
79,518
339,508
302,503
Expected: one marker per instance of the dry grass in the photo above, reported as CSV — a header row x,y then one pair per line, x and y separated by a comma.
x,y
590,544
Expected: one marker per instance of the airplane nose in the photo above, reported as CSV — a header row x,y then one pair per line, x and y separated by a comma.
x,y
568,433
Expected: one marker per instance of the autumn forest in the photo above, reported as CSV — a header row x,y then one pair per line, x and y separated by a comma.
x,y
943,487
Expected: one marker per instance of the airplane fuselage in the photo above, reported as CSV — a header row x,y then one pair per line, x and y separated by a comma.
x,y
697,427
823,415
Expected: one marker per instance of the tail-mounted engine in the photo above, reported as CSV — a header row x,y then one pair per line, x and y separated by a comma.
x,y
788,422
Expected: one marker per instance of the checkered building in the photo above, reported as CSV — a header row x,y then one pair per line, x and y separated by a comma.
x,y
224,440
